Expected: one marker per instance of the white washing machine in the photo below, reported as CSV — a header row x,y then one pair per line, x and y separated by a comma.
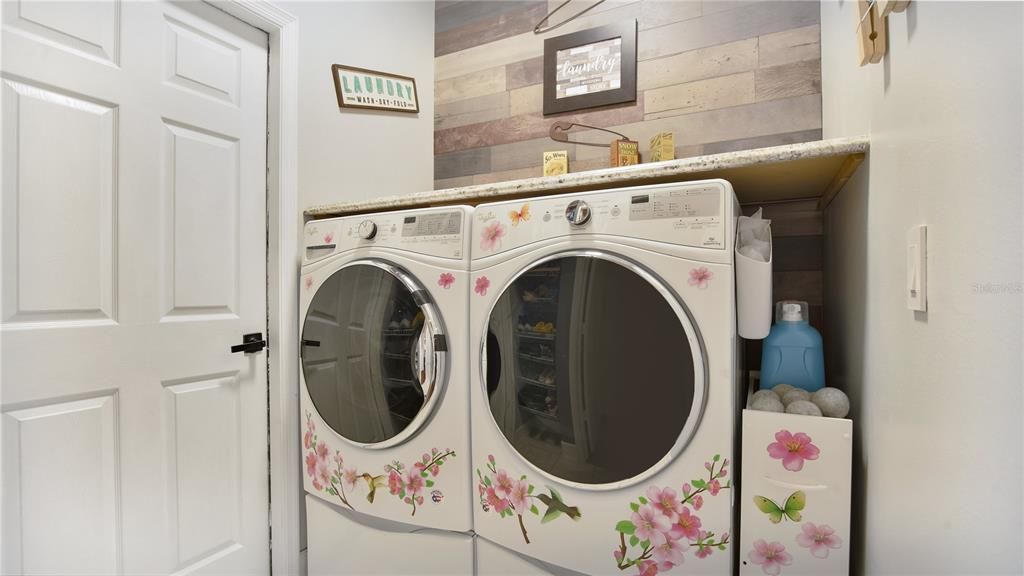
x,y
384,395
605,379
494,560
341,544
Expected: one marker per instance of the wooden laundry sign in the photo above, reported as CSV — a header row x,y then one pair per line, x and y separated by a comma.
x,y
372,90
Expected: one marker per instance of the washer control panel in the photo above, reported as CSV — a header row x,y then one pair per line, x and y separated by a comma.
x,y
434,232
689,214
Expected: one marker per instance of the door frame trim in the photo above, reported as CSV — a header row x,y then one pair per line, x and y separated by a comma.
x,y
282,273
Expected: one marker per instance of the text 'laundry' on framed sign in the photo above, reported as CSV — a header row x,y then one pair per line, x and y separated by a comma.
x,y
372,90
590,68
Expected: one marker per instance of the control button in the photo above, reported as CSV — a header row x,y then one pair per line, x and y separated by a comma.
x,y
547,216
616,211
577,212
367,229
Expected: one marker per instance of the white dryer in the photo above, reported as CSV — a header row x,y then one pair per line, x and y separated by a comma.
x,y
605,379
384,394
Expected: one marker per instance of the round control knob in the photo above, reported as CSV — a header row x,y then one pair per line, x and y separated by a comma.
x,y
577,212
367,229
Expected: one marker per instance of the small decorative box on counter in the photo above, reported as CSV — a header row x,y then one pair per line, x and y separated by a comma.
x,y
795,502
625,152
556,163
663,147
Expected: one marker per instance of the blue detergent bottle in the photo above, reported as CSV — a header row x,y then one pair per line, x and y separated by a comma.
x,y
792,352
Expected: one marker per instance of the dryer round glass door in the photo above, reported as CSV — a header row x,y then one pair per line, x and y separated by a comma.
x,y
373,353
594,371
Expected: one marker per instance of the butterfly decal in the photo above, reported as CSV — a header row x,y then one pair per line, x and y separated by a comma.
x,y
794,504
521,215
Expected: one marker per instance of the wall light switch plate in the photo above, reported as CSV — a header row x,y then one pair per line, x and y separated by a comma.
x,y
917,268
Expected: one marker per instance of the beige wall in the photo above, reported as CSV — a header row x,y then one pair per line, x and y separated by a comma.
x,y
354,155
936,396
721,75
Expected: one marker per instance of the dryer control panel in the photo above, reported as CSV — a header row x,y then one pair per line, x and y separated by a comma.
x,y
434,232
698,214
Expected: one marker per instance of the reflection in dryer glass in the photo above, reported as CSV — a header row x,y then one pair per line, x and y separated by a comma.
x,y
372,368
596,376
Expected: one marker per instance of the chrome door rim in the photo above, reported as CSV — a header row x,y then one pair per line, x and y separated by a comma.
x,y
441,375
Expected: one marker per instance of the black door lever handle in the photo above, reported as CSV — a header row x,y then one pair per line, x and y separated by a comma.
x,y
251,343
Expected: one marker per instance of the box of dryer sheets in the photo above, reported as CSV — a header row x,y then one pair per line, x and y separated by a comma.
x,y
795,494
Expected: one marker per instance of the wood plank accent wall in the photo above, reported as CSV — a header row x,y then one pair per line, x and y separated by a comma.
x,y
722,75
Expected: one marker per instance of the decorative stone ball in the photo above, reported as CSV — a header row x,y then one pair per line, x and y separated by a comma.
x,y
803,407
794,395
767,403
781,389
832,401
763,394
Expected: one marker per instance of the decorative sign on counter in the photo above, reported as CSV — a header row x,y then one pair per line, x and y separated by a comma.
x,y
625,153
663,147
371,90
590,68
556,163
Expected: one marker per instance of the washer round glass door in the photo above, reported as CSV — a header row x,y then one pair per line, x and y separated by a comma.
x,y
594,371
373,353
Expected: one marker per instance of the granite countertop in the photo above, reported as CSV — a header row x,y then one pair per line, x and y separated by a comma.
x,y
815,169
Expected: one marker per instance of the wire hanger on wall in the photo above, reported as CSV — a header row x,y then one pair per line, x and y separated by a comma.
x,y
540,28
559,133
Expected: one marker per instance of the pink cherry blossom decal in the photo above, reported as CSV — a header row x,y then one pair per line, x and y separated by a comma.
x,y
481,286
792,449
771,557
819,538
350,476
648,568
699,277
503,484
505,495
704,550
490,236
519,494
445,280
662,526
650,525
395,484
328,238
328,475
714,487
309,282
666,501
670,553
307,438
688,525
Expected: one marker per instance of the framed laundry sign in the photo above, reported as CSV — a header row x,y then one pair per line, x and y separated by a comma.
x,y
590,68
372,90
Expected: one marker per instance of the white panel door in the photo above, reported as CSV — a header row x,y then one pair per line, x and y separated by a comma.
x,y
133,255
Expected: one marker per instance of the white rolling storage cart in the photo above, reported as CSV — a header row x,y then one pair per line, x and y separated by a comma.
x,y
795,503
